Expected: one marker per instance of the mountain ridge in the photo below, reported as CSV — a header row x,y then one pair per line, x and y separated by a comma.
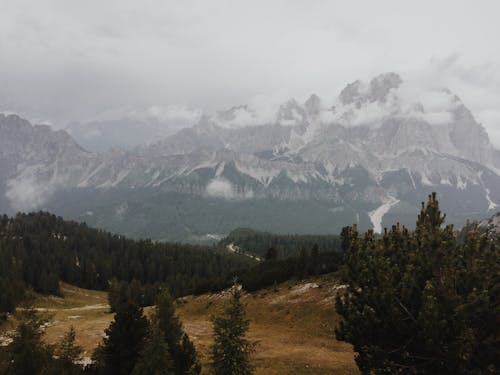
x,y
371,148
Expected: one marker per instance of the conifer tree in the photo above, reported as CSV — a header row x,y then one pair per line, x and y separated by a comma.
x,y
231,350
67,355
420,302
181,348
154,358
315,266
27,354
271,254
124,340
302,263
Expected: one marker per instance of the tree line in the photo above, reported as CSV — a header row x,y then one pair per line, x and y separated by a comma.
x,y
38,250
286,245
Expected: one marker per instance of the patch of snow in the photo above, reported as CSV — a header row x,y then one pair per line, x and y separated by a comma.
x,y
491,205
220,169
264,176
112,183
5,340
445,181
461,184
412,180
377,215
97,306
426,181
305,287
86,181
85,361
297,177
233,248
214,236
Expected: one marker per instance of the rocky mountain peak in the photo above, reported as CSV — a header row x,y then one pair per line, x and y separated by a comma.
x,y
313,105
379,87
291,113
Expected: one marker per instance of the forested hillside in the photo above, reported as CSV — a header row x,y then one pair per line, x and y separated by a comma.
x,y
38,250
286,245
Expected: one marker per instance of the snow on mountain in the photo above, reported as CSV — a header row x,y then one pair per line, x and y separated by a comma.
x,y
375,150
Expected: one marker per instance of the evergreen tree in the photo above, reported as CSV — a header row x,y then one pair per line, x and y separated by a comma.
x,y
315,265
119,352
231,351
154,358
67,355
271,254
420,302
27,354
302,263
181,349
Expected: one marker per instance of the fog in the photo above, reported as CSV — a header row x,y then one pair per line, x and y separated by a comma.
x,y
62,62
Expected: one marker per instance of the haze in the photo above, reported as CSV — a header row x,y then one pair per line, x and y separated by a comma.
x,y
66,61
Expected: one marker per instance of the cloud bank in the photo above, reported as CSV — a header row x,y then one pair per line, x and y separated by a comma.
x,y
221,187
73,61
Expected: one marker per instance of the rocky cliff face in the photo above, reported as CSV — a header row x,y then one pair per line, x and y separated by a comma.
x,y
374,154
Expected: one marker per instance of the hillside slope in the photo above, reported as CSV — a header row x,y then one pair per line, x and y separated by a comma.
x,y
292,324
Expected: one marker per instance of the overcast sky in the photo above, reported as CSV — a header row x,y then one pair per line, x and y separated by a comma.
x,y
77,60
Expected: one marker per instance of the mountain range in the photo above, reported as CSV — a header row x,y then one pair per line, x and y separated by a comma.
x,y
368,158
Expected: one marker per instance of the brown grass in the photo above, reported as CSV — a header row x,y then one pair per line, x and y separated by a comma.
x,y
292,325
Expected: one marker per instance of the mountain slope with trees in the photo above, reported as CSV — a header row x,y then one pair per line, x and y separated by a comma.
x,y
39,250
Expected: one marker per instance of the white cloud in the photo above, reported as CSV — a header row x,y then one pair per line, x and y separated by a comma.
x,y
66,61
26,193
168,114
438,117
221,187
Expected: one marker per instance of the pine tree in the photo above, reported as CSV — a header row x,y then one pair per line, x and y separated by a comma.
x,y
154,358
420,302
27,353
67,355
231,351
315,266
271,254
118,354
181,348
302,263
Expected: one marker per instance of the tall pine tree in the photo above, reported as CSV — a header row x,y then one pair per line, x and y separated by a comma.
x,y
124,340
27,353
66,356
154,358
231,350
181,348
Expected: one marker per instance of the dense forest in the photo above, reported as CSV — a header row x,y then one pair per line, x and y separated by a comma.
x,y
273,270
286,245
38,250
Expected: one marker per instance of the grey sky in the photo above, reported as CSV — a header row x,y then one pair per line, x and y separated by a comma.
x,y
75,60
